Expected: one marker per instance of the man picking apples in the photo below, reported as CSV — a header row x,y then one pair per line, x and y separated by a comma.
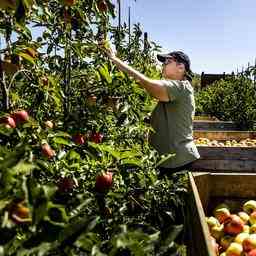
x,y
172,119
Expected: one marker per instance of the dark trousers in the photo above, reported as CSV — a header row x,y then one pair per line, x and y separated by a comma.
x,y
185,237
170,171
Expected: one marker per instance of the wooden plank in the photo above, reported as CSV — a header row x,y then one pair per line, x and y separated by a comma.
x,y
224,165
227,153
232,188
214,125
224,135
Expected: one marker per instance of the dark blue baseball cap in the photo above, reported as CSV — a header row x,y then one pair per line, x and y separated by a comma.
x,y
178,56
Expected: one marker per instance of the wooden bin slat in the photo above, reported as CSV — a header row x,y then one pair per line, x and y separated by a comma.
x,y
223,159
224,165
224,135
227,153
214,125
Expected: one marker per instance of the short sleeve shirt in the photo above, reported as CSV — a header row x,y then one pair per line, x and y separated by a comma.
x,y
173,124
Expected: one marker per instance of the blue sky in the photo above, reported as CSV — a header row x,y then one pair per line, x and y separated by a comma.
x,y
218,35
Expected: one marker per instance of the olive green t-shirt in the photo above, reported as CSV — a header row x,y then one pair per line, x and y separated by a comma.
x,y
173,125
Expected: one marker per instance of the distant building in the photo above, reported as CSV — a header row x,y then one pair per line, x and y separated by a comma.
x,y
207,79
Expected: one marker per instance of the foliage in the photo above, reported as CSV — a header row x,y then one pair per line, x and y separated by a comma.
x,y
48,201
230,99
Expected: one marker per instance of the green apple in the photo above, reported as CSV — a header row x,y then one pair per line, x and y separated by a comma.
x,y
217,232
244,216
246,229
212,221
235,249
249,206
240,238
253,229
252,218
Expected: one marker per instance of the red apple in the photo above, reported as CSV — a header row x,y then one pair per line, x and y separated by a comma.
x,y
249,243
47,151
20,116
44,80
233,225
67,184
104,182
222,214
78,139
91,100
96,137
69,2
19,213
9,122
48,124
102,6
251,253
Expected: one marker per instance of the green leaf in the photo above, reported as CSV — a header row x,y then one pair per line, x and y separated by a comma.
x,y
72,154
96,251
24,31
132,162
87,241
23,168
103,70
170,235
165,158
27,57
74,230
28,3
61,141
60,134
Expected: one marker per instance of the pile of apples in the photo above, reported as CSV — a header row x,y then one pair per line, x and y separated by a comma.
x,y
233,234
228,143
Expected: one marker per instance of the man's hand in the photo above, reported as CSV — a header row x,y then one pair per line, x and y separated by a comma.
x,y
110,53
105,46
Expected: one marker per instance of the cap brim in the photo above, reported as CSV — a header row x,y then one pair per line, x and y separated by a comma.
x,y
162,57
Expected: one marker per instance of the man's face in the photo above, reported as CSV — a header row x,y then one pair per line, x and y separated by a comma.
x,y
172,69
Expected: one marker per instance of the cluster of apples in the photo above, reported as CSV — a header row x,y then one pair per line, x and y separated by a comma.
x,y
80,139
228,143
15,118
233,234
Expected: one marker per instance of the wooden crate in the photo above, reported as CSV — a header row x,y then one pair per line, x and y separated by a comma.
x,y
207,191
214,125
224,135
226,159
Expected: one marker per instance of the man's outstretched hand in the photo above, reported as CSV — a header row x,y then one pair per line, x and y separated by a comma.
x,y
105,46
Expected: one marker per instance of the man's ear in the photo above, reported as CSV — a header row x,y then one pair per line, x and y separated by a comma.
x,y
181,67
